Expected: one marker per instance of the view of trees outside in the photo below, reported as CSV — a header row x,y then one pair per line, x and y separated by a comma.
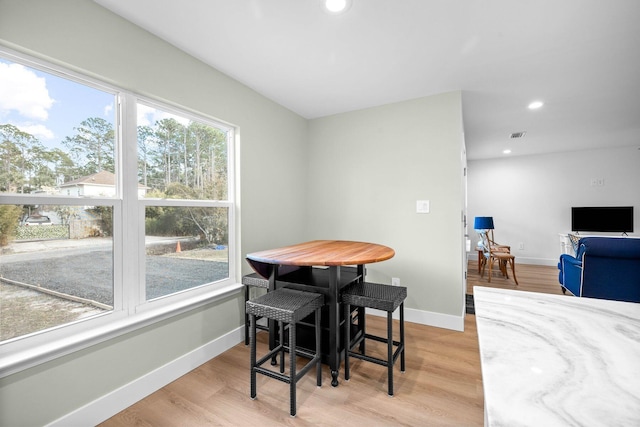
x,y
178,159
181,159
175,160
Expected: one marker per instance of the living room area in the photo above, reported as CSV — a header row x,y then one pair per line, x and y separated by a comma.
x,y
530,199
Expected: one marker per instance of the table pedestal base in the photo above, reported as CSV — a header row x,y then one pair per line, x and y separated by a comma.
x,y
334,378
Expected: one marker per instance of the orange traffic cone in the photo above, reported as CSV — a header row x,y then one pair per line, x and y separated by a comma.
x,y
178,249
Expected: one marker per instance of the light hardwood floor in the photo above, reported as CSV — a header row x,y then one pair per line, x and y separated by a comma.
x,y
531,278
442,385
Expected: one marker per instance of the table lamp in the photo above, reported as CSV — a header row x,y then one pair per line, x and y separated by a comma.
x,y
484,223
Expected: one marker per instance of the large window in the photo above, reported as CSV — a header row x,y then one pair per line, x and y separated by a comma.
x,y
110,204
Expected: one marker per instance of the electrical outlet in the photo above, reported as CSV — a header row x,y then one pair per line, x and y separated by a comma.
x,y
395,281
422,206
521,246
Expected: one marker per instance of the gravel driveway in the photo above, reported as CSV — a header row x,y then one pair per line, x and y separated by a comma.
x,y
85,269
89,275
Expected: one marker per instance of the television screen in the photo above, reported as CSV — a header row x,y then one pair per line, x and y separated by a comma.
x,y
617,219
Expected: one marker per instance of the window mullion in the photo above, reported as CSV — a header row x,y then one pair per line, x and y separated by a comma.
x,y
131,239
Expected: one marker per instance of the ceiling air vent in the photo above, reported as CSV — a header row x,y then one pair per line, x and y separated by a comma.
x,y
517,135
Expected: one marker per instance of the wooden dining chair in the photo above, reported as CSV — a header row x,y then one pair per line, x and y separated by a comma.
x,y
492,254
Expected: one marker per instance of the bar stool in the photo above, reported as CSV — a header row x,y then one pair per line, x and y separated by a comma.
x,y
249,281
381,297
285,306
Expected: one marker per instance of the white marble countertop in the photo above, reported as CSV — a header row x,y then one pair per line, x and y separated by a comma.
x,y
555,360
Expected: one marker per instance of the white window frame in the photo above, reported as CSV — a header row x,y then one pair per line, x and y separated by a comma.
x,y
130,310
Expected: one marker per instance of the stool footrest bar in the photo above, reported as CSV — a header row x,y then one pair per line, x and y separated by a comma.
x,y
269,355
307,367
273,374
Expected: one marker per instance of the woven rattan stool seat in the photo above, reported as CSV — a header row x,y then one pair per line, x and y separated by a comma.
x,y
255,281
285,305
375,295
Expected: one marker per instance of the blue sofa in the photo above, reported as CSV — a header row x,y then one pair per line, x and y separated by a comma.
x,y
604,267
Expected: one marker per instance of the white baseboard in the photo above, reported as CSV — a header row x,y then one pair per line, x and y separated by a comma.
x,y
538,261
110,404
429,318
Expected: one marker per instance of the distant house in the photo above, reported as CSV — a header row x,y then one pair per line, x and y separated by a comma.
x,y
101,184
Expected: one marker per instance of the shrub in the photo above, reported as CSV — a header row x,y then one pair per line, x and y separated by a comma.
x,y
9,218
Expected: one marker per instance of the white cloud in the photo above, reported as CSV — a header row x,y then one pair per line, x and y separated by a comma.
x,y
108,109
39,131
23,91
147,116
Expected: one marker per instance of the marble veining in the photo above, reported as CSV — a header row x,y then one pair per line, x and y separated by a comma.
x,y
556,360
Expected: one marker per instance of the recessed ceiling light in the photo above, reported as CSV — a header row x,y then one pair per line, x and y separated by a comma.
x,y
336,6
507,151
535,105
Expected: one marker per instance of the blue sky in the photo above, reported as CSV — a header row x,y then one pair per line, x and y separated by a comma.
x,y
47,106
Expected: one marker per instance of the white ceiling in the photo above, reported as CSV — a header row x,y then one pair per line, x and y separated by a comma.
x,y
581,57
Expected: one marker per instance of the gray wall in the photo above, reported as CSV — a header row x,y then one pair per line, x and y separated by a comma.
x,y
368,168
530,197
350,176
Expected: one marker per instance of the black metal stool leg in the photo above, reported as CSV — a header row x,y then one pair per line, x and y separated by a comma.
x,y
362,327
390,351
318,345
402,366
252,339
273,328
246,316
281,326
292,368
347,339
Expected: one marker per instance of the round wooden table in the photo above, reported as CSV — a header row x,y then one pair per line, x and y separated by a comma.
x,y
293,265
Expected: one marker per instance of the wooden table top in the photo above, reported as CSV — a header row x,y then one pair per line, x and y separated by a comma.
x,y
324,252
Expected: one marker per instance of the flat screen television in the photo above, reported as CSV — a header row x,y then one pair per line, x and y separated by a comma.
x,y
613,219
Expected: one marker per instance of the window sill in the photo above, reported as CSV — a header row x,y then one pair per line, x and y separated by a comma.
x,y
29,357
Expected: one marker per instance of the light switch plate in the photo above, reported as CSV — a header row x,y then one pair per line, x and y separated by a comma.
x,y
422,206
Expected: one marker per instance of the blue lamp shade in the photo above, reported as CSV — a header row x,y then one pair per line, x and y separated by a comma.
x,y
483,223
